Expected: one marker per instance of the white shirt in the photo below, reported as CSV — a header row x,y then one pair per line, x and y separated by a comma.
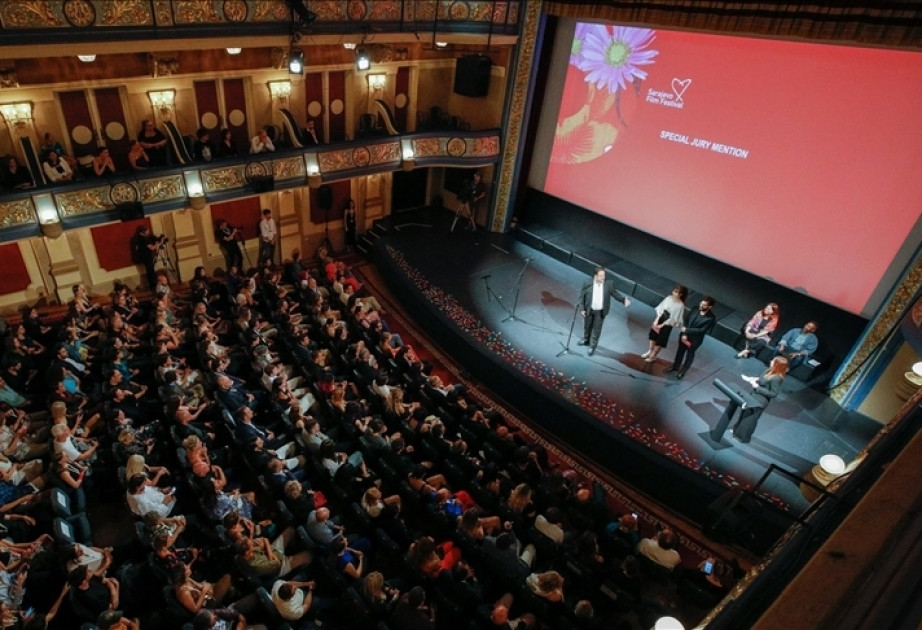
x,y
292,610
267,230
598,295
89,558
668,558
150,500
258,146
676,310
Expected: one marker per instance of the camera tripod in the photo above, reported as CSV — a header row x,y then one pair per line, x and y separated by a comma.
x,y
165,261
464,209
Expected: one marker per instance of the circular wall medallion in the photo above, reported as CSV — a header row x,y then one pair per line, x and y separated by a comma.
x,y
336,106
459,10
235,10
81,134
236,118
123,192
357,10
255,169
401,100
115,130
361,156
456,147
314,109
209,120
79,12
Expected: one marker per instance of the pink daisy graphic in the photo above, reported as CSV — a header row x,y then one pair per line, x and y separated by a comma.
x,y
611,60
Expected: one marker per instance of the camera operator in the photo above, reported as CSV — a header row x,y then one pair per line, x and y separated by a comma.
x,y
227,237
473,192
144,249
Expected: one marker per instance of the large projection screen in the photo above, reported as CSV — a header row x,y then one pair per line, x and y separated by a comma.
x,y
798,162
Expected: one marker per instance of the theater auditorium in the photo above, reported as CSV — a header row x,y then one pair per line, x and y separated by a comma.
x,y
459,314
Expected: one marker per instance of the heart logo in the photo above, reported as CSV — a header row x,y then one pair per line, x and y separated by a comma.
x,y
678,88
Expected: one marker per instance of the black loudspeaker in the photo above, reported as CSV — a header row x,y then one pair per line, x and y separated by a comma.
x,y
472,75
130,211
325,197
263,183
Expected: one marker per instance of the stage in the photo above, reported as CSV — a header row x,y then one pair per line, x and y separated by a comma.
x,y
630,418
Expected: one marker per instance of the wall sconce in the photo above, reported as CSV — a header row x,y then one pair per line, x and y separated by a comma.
x,y
17,115
280,91
48,220
195,190
441,44
362,59
376,82
163,103
234,51
407,162
312,166
87,58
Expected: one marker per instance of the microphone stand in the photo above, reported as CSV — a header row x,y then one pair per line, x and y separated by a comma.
x,y
566,346
518,287
491,295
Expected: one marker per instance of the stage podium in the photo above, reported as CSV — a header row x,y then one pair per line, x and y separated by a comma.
x,y
737,400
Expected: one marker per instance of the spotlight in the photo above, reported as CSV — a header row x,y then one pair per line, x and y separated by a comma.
x,y
362,59
296,62
304,14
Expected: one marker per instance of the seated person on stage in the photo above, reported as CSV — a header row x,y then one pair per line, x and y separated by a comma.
x,y
662,550
758,330
798,344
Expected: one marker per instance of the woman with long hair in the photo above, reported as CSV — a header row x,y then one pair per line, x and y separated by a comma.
x,y
759,329
764,388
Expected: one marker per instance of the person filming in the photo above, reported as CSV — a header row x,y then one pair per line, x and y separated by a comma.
x,y
144,249
227,237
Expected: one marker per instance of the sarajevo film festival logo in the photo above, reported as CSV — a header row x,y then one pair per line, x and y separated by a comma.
x,y
678,88
669,99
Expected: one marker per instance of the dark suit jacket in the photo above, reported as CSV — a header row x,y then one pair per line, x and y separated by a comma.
x,y
697,326
767,389
608,293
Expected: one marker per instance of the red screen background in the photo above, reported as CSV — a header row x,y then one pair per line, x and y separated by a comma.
x,y
831,185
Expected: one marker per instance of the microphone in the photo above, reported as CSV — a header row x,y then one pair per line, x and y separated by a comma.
x,y
485,277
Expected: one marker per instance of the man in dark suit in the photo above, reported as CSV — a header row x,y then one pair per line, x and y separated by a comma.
x,y
595,302
699,324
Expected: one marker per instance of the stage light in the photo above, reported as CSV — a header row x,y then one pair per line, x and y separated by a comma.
x,y
362,59
296,61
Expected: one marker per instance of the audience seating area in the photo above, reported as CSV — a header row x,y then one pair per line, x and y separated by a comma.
x,y
200,409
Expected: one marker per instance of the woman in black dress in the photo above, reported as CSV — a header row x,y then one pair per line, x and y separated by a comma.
x,y
765,388
154,143
227,147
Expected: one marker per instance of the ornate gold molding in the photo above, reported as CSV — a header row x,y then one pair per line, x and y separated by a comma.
x,y
18,212
80,202
515,113
878,330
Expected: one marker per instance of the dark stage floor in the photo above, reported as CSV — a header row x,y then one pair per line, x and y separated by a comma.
x,y
480,271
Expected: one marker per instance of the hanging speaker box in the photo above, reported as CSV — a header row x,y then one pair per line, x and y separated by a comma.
x,y
130,211
472,75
